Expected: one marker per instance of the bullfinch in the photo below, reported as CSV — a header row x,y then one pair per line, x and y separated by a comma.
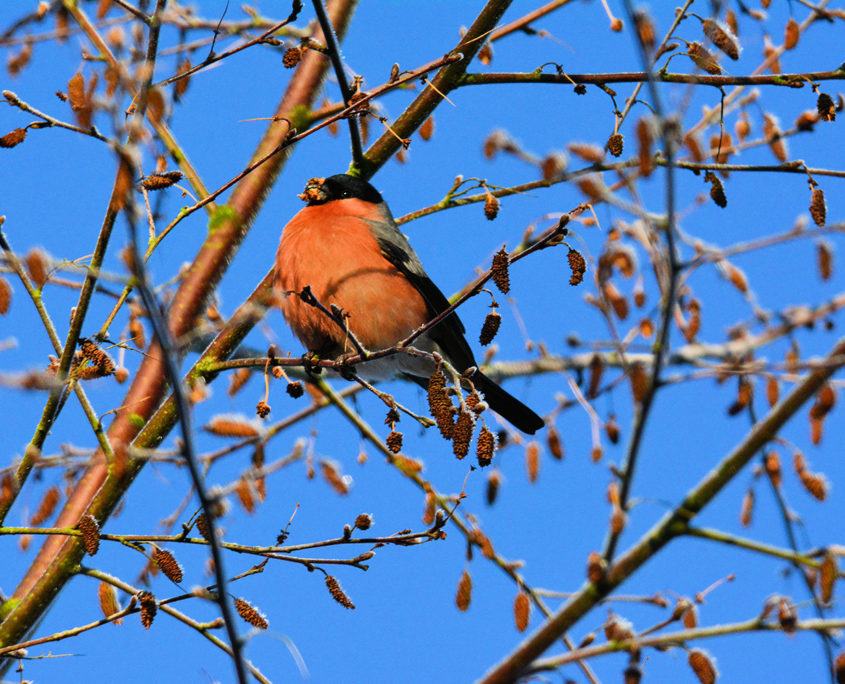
x,y
346,248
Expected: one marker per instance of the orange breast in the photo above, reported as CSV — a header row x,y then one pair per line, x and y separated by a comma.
x,y
330,249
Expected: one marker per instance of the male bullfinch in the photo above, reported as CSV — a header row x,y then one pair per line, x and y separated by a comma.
x,y
346,247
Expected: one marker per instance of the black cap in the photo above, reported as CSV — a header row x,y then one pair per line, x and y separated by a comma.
x,y
339,187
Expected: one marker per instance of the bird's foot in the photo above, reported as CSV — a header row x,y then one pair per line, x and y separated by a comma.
x,y
341,365
309,363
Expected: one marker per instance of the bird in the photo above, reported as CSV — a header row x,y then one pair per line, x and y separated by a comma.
x,y
346,249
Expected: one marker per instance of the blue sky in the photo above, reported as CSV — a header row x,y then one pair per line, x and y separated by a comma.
x,y
405,626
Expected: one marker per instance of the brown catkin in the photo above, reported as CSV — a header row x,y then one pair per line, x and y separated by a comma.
x,y
721,38
6,489
485,54
554,442
429,508
464,593
815,484
828,571
237,380
36,264
338,593
485,447
774,136
597,366
816,430
484,543
462,434
148,608
703,58
617,300
46,507
230,427
747,509
646,32
491,207
791,34
203,527
90,530
295,389
825,400
16,63
615,144
702,665
13,138
291,57
250,614
818,209
736,277
717,189
824,260
364,521
772,390
639,381
611,428
742,128
97,356
262,409
521,611
773,468
160,181
618,520
246,495
839,668
332,474
552,166
532,460
596,567
499,271
474,403
644,142
180,87
440,405
494,481
5,296
168,565
490,328
577,265
108,600
826,107
394,442
427,128
587,152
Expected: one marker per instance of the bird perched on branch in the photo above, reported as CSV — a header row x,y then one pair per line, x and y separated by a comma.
x,y
345,248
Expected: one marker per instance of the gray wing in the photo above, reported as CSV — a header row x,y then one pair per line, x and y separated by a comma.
x,y
449,333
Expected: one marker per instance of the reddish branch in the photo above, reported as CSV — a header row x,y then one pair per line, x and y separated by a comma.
x,y
105,483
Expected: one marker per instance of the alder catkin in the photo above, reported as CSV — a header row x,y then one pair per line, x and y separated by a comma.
x,y
521,611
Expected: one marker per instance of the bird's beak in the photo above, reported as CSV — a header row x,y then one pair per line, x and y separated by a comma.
x,y
314,191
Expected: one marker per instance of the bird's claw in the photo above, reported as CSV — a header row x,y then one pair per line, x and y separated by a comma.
x,y
342,366
309,363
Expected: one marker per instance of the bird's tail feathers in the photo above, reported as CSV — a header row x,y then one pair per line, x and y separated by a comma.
x,y
506,405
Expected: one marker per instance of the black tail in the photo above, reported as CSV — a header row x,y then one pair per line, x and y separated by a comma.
x,y
507,406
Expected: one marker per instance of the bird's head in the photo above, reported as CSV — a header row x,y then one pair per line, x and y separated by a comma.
x,y
339,187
